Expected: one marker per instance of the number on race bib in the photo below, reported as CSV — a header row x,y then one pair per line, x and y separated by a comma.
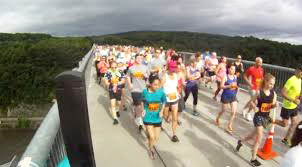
x,y
153,106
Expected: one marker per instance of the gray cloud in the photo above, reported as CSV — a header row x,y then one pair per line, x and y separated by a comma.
x,y
271,19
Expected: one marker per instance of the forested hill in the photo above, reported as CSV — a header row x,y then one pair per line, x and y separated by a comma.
x,y
29,63
283,54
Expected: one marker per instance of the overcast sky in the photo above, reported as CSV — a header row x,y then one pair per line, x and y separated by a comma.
x,y
279,20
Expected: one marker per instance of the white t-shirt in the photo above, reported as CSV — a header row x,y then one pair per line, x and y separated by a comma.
x,y
200,64
293,158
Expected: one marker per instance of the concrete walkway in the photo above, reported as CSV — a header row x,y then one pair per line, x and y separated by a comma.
x,y
202,143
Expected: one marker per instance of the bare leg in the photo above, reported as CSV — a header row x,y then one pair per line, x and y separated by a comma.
x,y
233,114
292,127
259,135
174,118
113,108
223,107
151,134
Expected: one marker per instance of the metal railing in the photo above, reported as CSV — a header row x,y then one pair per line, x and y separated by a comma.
x,y
281,73
47,147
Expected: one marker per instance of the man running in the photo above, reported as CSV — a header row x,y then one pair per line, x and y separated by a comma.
x,y
253,77
157,64
136,77
291,93
114,79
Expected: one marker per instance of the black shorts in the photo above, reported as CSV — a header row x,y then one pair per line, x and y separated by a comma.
x,y
117,95
137,98
286,113
154,124
102,75
122,86
261,120
211,73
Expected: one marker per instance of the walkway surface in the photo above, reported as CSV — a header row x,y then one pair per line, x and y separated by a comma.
x,y
202,143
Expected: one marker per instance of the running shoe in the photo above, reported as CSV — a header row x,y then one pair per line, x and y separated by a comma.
x,y
115,122
118,114
285,142
152,154
140,128
239,145
175,139
255,162
249,117
195,113
244,113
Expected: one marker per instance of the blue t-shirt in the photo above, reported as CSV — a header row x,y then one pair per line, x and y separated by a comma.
x,y
153,102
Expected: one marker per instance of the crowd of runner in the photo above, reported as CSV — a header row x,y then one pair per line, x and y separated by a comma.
x,y
160,84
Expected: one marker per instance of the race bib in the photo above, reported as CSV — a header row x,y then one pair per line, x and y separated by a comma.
x,y
265,107
153,106
114,80
172,96
258,82
138,74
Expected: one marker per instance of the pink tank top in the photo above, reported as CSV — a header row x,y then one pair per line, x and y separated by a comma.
x,y
221,73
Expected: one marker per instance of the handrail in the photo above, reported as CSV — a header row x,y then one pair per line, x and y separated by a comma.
x,y
281,73
37,152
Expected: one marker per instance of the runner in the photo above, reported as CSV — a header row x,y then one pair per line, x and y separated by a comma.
x,y
114,80
228,97
239,66
97,59
291,93
200,65
266,100
122,68
220,72
137,74
253,77
193,75
212,64
102,68
170,83
154,103
157,64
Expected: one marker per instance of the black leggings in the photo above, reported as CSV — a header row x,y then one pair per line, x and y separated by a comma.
x,y
194,90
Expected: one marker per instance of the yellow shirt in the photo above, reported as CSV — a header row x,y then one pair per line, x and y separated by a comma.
x,y
293,88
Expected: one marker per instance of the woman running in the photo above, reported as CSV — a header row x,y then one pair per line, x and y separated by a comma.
x,y
193,75
114,80
154,100
239,66
170,83
228,97
266,100
103,68
221,72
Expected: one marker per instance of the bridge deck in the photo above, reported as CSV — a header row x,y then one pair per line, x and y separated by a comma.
x,y
201,141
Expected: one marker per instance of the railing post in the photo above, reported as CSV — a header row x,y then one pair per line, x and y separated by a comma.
x,y
73,112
